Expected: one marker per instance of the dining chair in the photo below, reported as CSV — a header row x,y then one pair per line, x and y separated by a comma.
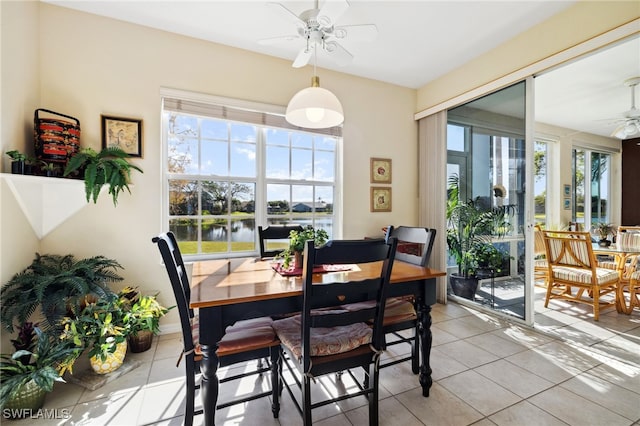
x,y
414,246
272,233
628,239
325,338
540,264
247,340
572,265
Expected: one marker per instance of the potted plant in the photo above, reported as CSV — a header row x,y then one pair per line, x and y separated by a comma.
x,y
102,328
296,244
57,285
470,226
144,317
30,164
49,169
17,162
489,258
603,230
29,373
109,166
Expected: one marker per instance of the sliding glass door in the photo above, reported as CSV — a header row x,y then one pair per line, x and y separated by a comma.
x,y
486,164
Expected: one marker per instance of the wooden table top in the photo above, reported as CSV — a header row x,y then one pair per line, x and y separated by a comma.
x,y
219,282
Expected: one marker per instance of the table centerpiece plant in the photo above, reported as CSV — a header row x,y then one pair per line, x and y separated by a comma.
x,y
297,240
603,229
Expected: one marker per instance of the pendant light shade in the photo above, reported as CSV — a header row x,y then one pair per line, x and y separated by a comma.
x,y
314,108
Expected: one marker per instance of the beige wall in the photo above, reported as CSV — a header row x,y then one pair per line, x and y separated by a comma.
x,y
84,66
581,22
91,65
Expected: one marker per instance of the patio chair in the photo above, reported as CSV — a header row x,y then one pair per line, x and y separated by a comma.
x,y
540,264
272,233
572,266
324,338
252,339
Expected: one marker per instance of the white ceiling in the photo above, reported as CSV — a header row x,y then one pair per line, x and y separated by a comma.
x,y
418,41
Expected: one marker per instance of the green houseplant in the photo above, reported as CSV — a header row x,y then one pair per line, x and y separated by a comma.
x,y
109,166
603,229
297,240
17,161
471,227
29,373
144,317
57,285
102,328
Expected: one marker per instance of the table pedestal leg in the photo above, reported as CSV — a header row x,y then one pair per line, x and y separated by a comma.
x,y
424,326
209,384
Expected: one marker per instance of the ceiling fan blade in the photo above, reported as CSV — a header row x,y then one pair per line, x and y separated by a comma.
x,y
280,39
287,14
364,32
331,11
618,129
338,53
303,57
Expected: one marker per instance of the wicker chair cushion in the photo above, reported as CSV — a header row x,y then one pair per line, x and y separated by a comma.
x,y
324,341
566,273
608,264
242,336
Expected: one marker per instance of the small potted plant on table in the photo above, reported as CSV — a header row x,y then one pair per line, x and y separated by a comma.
x,y
603,230
17,162
297,240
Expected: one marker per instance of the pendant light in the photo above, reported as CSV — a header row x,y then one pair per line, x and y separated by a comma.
x,y
314,107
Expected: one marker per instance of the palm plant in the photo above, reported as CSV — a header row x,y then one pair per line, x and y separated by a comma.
x,y
470,225
57,284
109,166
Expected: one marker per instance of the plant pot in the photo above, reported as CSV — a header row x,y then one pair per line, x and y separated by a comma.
x,y
141,341
112,362
28,399
17,167
604,243
299,259
463,286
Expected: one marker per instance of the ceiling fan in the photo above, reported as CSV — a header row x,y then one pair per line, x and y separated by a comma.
x,y
316,27
630,124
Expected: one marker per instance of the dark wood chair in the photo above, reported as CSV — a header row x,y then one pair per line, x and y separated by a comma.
x,y
274,232
252,339
325,338
414,246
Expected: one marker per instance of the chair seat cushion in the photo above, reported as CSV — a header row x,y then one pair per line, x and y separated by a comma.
x,y
242,336
608,264
636,276
396,310
540,263
324,341
584,276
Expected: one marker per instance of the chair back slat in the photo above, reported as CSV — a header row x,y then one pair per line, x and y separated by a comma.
x,y
538,241
332,293
174,265
414,243
274,232
566,248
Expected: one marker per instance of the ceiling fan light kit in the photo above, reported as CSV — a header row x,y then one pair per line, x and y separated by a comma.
x,y
314,108
631,123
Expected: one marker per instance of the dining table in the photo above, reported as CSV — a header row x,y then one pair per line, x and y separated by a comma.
x,y
622,255
228,290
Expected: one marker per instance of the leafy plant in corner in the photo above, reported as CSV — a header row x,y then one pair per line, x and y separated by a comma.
x,y
57,285
603,229
109,166
44,361
100,326
145,310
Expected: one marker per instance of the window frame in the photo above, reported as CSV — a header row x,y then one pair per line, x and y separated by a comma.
x,y
261,216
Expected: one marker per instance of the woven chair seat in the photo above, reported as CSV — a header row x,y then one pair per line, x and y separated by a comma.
x,y
566,273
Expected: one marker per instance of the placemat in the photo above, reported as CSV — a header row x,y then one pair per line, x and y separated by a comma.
x,y
318,269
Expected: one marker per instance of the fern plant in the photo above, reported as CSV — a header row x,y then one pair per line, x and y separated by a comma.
x,y
57,284
109,166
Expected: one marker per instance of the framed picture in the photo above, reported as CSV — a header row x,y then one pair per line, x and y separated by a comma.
x,y
380,199
567,203
124,133
380,170
567,190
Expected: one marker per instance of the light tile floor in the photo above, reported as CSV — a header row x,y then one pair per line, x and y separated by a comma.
x,y
569,370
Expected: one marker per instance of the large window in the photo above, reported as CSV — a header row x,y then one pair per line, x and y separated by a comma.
x,y
229,170
591,173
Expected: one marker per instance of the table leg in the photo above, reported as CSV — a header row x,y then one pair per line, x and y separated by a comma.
x,y
424,324
209,384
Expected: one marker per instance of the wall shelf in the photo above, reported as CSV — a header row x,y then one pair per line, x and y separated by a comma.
x,y
46,201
